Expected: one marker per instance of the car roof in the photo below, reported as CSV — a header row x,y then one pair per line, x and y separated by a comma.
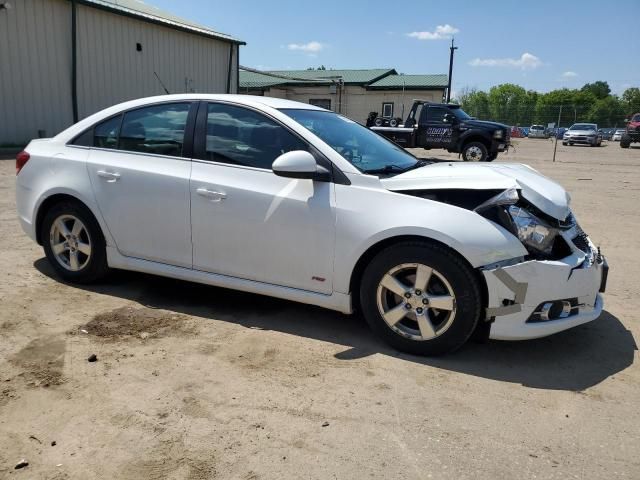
x,y
252,100
249,100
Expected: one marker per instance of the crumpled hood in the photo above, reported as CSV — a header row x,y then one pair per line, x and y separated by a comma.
x,y
539,190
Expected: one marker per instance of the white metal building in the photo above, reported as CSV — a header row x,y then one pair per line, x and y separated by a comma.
x,y
61,60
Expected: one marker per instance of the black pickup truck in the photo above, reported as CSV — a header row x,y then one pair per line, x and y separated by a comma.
x,y
439,125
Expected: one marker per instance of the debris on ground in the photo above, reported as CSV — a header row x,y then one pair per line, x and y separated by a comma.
x,y
92,358
325,424
21,464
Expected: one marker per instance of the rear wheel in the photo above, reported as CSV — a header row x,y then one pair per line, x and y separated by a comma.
x,y
420,298
475,152
73,243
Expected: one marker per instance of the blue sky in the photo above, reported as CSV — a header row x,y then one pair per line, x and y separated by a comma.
x,y
532,43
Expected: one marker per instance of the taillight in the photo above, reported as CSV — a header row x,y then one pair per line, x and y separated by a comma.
x,y
21,160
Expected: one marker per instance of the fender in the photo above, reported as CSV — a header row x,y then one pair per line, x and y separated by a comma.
x,y
479,241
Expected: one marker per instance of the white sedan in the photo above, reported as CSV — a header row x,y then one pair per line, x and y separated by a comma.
x,y
617,135
280,198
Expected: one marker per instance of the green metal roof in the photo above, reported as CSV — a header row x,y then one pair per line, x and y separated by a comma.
x,y
410,82
311,77
149,13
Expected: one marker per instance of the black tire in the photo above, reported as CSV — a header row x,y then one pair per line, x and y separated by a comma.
x,y
625,141
458,274
470,149
378,122
492,157
96,266
565,143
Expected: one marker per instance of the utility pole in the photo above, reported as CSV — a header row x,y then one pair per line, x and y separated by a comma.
x,y
555,145
453,49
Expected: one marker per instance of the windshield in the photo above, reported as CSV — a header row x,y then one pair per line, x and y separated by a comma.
x,y
364,149
583,126
460,114
537,127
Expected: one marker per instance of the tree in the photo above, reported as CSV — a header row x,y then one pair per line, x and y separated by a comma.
x,y
548,107
511,104
631,100
607,112
599,89
474,102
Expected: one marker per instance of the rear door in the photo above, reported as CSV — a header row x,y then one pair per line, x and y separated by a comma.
x,y
248,222
140,170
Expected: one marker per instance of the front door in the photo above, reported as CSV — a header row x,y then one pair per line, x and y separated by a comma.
x,y
438,132
141,182
246,221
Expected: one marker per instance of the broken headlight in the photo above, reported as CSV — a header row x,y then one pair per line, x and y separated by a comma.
x,y
536,235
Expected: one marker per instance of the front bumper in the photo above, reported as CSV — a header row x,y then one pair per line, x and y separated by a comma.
x,y
581,139
517,292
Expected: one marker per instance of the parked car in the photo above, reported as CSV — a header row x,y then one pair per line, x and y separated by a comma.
x,y
617,135
538,131
606,133
446,126
582,133
559,132
286,199
632,132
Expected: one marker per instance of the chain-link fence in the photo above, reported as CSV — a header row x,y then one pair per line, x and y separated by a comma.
x,y
560,116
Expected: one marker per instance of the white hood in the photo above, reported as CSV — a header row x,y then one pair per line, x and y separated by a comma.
x,y
539,190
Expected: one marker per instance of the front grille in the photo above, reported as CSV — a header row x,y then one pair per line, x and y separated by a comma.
x,y
581,241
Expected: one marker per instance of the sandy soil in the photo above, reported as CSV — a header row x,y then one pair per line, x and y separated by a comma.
x,y
193,382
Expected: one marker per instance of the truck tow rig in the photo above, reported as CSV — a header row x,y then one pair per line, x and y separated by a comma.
x,y
442,125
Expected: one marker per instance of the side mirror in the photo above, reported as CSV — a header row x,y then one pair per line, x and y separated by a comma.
x,y
626,120
449,118
299,164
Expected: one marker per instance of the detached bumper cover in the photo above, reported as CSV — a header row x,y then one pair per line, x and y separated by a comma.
x,y
516,291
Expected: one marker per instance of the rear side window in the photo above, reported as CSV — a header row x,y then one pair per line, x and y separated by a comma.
x,y
105,134
241,136
158,129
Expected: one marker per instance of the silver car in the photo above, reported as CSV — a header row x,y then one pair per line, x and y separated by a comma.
x,y
538,131
583,133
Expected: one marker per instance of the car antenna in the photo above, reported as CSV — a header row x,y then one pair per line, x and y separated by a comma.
x,y
165,88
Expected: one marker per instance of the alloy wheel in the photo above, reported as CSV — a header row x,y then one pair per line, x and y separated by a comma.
x,y
70,242
416,301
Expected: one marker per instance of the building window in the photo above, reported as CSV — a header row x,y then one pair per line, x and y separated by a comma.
x,y
321,102
387,109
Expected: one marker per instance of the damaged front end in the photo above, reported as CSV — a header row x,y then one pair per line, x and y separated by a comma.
x,y
555,286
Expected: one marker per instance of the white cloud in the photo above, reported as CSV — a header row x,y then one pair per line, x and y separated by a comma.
x,y
442,32
526,61
569,75
311,47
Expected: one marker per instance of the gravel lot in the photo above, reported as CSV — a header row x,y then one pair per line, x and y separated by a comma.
x,y
194,382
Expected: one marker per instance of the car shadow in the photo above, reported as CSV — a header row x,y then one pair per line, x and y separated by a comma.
x,y
572,360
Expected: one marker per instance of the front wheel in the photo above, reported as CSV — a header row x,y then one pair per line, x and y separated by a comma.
x,y
625,141
475,152
73,243
420,298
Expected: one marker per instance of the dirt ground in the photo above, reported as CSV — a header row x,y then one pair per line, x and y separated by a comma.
x,y
193,382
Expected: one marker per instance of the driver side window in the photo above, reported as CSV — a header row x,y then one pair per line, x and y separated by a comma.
x,y
436,114
241,136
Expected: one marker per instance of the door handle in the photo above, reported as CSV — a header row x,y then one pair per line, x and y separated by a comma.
x,y
110,176
211,194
